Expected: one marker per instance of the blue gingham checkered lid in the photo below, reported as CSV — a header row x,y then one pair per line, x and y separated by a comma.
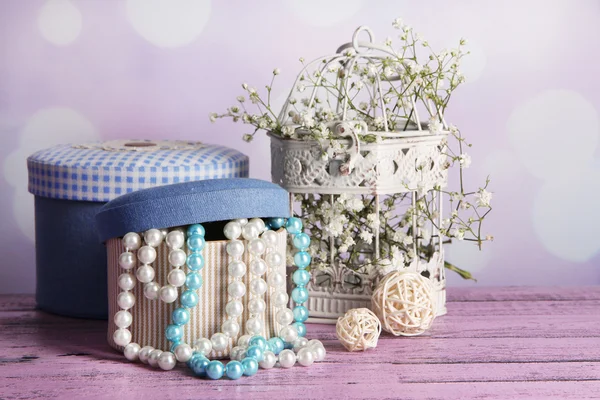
x,y
105,170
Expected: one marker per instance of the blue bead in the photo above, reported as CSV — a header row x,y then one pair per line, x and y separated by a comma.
x,y
173,332
294,225
194,358
256,352
174,344
215,370
302,259
180,316
300,313
258,341
195,261
301,328
268,347
196,242
196,229
288,346
276,223
189,299
250,366
193,281
301,241
234,370
300,295
276,344
199,367
301,277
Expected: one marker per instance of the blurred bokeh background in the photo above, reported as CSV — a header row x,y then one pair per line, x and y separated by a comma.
x,y
80,70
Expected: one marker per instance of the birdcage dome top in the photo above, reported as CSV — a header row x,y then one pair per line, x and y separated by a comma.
x,y
365,91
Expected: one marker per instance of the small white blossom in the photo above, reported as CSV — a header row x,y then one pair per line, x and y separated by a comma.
x,y
464,160
408,240
212,117
367,237
398,23
435,126
483,198
276,71
248,138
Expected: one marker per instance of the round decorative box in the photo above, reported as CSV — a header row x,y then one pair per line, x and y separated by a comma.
x,y
211,203
72,182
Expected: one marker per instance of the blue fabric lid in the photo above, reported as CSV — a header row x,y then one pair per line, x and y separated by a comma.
x,y
191,202
103,171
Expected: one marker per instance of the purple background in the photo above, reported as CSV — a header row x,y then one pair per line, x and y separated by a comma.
x,y
81,70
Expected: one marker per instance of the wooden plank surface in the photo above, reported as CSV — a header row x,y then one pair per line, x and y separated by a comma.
x,y
493,344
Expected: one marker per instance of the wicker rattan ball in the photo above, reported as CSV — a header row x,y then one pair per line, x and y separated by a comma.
x,y
358,329
404,303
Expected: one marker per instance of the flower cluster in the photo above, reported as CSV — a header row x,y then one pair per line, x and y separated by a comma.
x,y
381,98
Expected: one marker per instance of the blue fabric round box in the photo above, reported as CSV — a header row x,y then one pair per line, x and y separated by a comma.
x,y
72,182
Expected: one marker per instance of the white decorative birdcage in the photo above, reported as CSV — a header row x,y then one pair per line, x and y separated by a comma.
x,y
351,149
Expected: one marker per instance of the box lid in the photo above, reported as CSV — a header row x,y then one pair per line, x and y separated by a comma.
x,y
105,170
191,202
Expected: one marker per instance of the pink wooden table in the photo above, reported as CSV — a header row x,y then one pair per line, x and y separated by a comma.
x,y
507,343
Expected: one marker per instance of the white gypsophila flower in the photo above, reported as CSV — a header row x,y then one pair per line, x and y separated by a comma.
x,y
398,23
435,126
399,236
373,220
276,71
483,198
388,41
415,67
241,99
408,240
378,122
288,130
426,234
212,117
366,236
464,160
248,138
301,87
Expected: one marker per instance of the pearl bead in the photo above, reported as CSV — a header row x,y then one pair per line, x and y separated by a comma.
x,y
183,352
258,267
250,231
132,351
219,341
241,221
166,361
257,247
199,365
125,300
234,308
123,319
196,229
250,366
271,238
256,352
145,353
195,261
258,341
193,281
237,268
177,257
127,260
233,354
300,313
259,223
153,237
126,281
189,299
235,248
244,340
177,278
285,317
153,357
305,357
276,279
300,327
314,342
164,232
230,328
280,299
203,346
180,316
234,370
215,369
276,344
122,337
287,358
168,294
277,223
274,259
196,243
289,334
301,277
300,295
318,352
173,332
146,254
145,273
241,355
132,241
258,286
236,289
269,360
256,306
302,259
301,241
254,326
293,225
151,290
232,230
175,239
300,343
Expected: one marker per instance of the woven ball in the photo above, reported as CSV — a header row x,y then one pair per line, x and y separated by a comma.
x,y
358,329
404,303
